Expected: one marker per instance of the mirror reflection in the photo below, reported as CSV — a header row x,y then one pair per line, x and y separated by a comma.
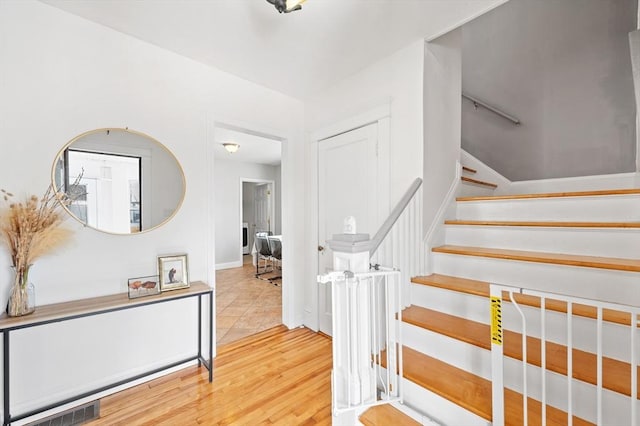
x,y
128,183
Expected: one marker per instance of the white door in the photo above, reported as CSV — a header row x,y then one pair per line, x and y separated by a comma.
x,y
262,203
347,186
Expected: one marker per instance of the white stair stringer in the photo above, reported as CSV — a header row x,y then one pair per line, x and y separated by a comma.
x,y
591,283
608,208
477,361
608,242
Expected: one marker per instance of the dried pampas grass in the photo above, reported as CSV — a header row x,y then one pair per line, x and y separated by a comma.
x,y
31,229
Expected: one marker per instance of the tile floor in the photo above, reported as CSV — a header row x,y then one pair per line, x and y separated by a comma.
x,y
245,305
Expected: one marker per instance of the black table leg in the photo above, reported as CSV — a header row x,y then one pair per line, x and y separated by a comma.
x,y
6,417
210,337
199,330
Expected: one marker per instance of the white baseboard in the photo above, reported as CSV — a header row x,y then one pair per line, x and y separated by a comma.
x,y
229,265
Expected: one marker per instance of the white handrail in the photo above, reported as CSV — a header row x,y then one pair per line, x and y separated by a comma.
x,y
393,216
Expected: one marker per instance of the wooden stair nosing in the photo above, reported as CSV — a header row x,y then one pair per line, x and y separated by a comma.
x,y
473,393
616,374
478,182
481,288
386,414
631,191
543,224
613,263
469,169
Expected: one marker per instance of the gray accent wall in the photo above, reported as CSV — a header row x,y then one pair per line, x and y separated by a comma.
x,y
564,69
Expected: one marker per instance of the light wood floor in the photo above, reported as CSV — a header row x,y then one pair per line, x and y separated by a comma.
x,y
278,376
245,305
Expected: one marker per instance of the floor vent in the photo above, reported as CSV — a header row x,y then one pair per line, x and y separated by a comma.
x,y
73,416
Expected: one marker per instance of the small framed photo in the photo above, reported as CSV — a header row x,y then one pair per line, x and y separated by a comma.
x,y
143,286
173,272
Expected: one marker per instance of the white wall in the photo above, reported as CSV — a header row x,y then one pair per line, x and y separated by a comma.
x,y
442,89
62,75
278,201
564,69
228,178
395,81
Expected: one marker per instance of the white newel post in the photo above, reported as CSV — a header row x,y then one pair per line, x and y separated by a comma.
x,y
354,380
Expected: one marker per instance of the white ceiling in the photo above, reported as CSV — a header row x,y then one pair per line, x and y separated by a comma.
x,y
253,148
297,54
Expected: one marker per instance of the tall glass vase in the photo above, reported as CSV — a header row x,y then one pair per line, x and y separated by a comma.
x,y
22,299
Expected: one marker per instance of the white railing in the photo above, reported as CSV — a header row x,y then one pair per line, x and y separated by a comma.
x,y
564,324
406,246
367,349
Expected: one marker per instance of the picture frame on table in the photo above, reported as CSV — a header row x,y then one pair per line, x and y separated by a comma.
x,y
143,286
173,272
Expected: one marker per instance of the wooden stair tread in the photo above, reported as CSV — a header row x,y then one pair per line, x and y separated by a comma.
x,y
469,169
545,224
472,392
478,182
381,415
481,288
448,282
616,374
632,191
619,264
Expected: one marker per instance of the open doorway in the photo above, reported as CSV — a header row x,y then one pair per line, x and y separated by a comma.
x,y
258,212
247,198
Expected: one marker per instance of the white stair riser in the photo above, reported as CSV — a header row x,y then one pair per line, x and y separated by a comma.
x,y
467,189
439,409
616,337
467,306
452,351
409,411
478,361
616,407
609,209
591,283
623,243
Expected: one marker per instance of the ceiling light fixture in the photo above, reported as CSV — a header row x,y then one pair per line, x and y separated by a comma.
x,y
287,6
231,147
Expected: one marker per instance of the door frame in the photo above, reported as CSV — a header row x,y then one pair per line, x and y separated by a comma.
x,y
273,204
381,115
289,316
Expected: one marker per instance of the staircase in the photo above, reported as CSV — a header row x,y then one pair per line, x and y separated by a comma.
x,y
468,178
585,244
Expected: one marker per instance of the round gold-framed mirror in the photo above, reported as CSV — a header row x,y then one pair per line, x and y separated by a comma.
x,y
122,181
